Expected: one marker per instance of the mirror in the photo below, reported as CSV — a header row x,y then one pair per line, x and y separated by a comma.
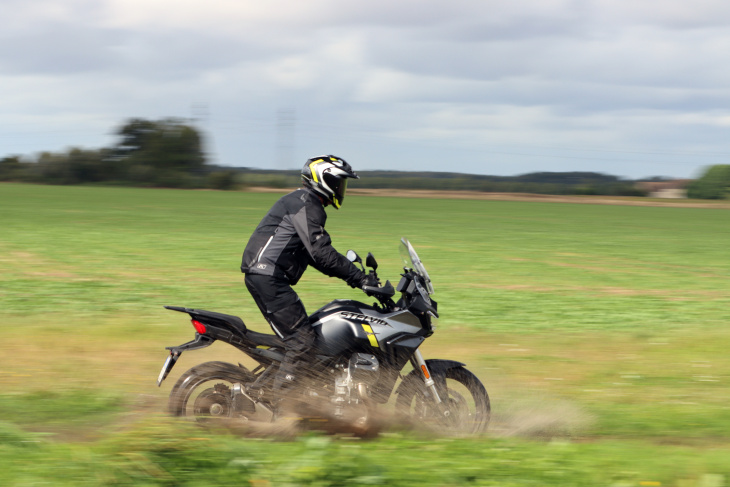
x,y
370,261
353,257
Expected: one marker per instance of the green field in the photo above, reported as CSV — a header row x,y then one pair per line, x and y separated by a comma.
x,y
601,333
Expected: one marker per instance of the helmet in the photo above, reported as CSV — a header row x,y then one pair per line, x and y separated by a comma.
x,y
327,176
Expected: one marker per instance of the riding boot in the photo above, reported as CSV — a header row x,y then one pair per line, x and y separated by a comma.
x,y
285,380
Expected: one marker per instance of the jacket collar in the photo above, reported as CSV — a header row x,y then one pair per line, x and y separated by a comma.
x,y
313,196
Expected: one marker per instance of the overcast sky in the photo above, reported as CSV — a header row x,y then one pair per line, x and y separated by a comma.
x,y
633,88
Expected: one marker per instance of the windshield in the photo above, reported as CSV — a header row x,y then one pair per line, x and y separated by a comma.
x,y
411,260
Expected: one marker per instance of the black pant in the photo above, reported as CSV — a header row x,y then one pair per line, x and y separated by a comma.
x,y
286,315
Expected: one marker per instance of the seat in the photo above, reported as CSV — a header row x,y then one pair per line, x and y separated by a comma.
x,y
264,339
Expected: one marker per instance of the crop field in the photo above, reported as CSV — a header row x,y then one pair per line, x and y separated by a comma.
x,y
601,333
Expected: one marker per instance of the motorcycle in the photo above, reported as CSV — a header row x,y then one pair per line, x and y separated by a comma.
x,y
359,354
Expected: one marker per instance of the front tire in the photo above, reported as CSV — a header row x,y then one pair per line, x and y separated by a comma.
x,y
467,408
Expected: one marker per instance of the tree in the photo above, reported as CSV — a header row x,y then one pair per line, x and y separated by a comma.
x,y
224,180
164,153
713,185
134,135
10,168
85,166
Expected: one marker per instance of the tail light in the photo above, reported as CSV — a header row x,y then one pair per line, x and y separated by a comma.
x,y
199,327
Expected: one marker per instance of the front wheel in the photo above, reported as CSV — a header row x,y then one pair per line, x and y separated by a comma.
x,y
464,408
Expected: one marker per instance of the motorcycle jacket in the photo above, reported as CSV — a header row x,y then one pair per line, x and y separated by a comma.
x,y
292,236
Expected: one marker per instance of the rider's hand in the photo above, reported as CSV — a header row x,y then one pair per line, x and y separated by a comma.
x,y
369,280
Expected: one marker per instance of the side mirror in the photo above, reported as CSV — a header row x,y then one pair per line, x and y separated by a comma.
x,y
353,257
370,261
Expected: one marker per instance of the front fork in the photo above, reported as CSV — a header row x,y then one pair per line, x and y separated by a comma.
x,y
419,363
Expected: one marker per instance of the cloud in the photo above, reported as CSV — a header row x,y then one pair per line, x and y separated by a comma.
x,y
424,78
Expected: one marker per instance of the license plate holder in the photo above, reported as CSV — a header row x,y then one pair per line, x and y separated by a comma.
x,y
167,366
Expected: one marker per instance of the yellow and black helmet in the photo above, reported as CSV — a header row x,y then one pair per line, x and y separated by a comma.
x,y
327,176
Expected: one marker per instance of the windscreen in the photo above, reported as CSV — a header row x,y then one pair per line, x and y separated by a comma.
x,y
411,260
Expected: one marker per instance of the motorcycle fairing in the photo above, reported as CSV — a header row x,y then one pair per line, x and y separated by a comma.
x,y
345,326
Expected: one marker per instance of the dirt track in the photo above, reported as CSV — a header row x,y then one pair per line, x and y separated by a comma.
x,y
478,195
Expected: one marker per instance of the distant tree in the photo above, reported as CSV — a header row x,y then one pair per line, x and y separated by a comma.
x,y
134,136
225,180
85,166
77,166
165,153
713,185
11,169
567,178
51,168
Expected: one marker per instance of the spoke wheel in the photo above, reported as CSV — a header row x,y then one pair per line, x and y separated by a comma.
x,y
464,409
204,393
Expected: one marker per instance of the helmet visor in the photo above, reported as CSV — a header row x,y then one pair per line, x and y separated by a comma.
x,y
339,188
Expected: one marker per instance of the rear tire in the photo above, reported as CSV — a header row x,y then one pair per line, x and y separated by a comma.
x,y
204,392
466,400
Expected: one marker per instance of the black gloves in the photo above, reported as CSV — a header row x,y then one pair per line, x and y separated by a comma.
x,y
369,280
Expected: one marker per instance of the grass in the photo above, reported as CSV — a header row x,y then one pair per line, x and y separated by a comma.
x,y
94,251
163,453
601,327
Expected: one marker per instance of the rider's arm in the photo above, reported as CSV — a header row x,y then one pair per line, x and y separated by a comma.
x,y
323,255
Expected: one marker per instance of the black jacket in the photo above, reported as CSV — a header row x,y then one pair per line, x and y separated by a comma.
x,y
292,236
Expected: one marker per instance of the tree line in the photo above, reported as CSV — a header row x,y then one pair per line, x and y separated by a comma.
x,y
714,184
560,183
169,153
165,153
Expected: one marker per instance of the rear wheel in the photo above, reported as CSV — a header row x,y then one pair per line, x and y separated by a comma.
x,y
205,393
464,408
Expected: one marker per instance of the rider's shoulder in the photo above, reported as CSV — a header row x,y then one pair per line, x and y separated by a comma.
x,y
307,197
296,198
304,199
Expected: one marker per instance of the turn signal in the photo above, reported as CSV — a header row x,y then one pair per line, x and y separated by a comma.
x,y
199,327
425,372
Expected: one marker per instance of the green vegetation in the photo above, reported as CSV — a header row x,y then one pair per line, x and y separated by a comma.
x,y
568,183
166,153
573,183
600,332
169,154
713,185
175,454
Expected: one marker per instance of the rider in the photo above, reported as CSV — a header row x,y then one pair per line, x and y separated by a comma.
x,y
289,238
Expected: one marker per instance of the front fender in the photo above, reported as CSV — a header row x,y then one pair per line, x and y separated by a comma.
x,y
436,367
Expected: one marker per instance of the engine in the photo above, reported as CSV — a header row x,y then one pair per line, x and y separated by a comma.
x,y
351,386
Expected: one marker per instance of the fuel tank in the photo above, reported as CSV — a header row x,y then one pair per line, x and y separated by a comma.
x,y
345,326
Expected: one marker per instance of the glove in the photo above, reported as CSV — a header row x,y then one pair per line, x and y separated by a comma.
x,y
369,280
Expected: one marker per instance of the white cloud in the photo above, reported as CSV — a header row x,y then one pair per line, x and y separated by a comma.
x,y
414,77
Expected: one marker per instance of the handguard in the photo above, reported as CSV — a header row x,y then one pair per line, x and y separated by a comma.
x,y
387,291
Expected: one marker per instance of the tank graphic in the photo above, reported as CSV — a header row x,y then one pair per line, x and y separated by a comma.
x,y
350,325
